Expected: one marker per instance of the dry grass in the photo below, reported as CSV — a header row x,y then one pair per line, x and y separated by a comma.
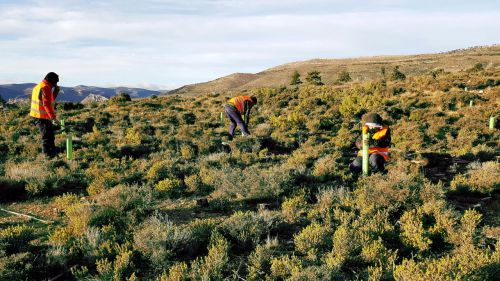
x,y
360,69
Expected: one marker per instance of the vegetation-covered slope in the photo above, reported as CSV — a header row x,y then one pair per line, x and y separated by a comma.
x,y
281,205
360,69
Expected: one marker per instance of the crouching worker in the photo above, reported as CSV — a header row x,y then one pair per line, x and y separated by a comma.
x,y
380,138
43,113
238,112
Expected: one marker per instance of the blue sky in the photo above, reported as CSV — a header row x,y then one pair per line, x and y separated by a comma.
x,y
163,44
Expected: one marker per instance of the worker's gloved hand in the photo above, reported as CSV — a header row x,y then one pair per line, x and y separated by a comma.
x,y
56,122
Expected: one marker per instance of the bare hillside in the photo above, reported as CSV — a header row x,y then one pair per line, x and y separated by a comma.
x,y
232,81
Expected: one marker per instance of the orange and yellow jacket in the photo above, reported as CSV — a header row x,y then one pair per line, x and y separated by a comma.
x,y
43,101
379,142
242,103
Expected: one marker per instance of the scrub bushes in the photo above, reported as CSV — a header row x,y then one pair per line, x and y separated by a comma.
x,y
313,240
15,239
480,177
170,187
161,241
153,194
120,98
245,229
214,265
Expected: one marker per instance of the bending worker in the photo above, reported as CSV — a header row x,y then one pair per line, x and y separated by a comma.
x,y
380,138
43,111
238,111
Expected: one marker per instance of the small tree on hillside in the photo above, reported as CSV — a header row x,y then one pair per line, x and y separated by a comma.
x,y
477,67
314,77
397,74
295,79
382,71
120,98
344,76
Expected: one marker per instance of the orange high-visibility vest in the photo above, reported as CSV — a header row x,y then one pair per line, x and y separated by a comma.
x,y
239,103
384,151
42,101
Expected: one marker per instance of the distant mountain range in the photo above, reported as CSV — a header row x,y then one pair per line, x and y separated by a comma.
x,y
360,69
72,94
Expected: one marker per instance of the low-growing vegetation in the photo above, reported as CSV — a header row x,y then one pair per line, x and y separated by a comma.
x,y
152,194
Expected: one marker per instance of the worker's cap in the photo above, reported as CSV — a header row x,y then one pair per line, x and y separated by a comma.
x,y
52,78
372,119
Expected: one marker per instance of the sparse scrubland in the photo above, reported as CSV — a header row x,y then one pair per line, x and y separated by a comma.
x,y
282,204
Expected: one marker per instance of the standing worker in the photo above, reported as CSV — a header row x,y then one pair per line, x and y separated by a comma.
x,y
380,139
42,110
238,108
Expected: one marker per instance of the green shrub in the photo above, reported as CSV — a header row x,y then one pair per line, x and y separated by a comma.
x,y
397,74
120,269
161,241
78,216
325,168
15,239
344,243
39,180
294,208
17,267
135,199
120,98
313,240
170,187
245,145
315,273
480,177
295,78
214,265
471,266
105,216
314,77
413,231
251,183
66,200
140,134
201,230
165,169
259,261
189,118
102,182
344,76
195,184
376,252
245,228
177,272
285,266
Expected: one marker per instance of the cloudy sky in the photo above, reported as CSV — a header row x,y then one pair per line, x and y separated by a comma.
x,y
167,43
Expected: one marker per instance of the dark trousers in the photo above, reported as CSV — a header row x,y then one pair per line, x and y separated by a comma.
x,y
47,132
376,162
235,117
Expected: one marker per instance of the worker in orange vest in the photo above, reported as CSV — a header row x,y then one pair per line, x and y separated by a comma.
x,y
43,113
380,139
238,112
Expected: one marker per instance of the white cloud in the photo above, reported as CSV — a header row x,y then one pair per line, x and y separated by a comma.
x,y
106,43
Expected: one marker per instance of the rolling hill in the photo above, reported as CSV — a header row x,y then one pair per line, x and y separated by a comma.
x,y
360,69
